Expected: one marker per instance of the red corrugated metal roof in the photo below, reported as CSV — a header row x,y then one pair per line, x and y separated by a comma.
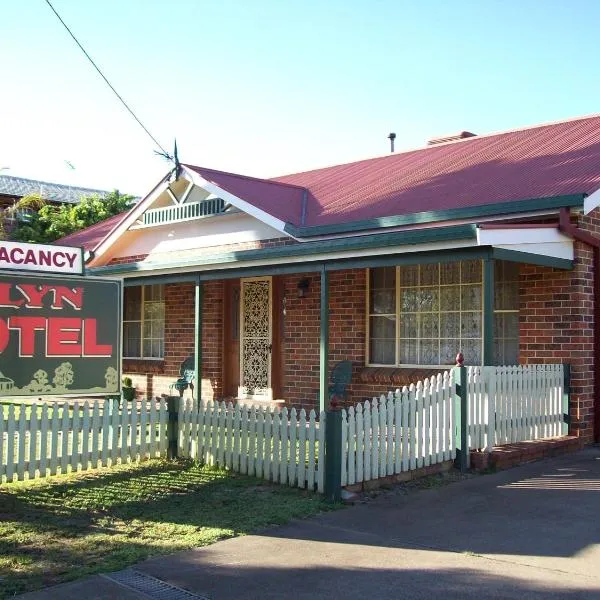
x,y
91,236
547,160
281,200
537,162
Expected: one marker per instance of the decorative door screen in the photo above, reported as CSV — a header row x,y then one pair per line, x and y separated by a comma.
x,y
255,354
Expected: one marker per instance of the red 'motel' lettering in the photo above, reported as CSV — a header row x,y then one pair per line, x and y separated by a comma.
x,y
27,326
90,346
65,336
62,337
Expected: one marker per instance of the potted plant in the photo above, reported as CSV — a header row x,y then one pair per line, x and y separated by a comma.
x,y
127,389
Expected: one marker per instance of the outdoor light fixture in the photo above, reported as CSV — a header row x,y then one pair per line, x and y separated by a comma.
x,y
303,285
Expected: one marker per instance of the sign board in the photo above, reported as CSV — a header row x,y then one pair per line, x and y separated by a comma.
x,y
19,256
59,335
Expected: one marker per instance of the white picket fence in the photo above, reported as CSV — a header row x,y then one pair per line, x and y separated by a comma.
x,y
276,445
403,431
44,439
514,404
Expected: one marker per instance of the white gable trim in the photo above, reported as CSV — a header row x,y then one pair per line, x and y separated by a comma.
x,y
130,219
248,208
591,202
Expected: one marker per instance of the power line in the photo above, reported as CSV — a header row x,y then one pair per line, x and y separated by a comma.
x,y
163,152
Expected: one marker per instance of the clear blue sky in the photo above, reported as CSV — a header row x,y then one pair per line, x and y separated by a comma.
x,y
268,87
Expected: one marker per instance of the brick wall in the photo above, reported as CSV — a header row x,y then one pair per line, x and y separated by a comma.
x,y
556,325
347,331
153,378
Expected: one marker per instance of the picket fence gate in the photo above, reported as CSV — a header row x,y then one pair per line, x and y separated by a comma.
x,y
403,431
45,439
275,444
514,404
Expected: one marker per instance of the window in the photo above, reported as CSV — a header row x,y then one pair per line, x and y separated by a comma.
x,y
425,314
144,322
506,313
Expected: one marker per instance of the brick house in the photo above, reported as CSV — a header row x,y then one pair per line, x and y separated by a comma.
x,y
487,245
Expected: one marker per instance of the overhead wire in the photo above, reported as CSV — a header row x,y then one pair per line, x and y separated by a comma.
x,y
162,152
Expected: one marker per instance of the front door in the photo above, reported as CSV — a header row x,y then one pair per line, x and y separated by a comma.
x,y
255,338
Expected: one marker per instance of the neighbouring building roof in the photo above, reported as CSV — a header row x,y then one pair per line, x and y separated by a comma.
x,y
53,192
543,161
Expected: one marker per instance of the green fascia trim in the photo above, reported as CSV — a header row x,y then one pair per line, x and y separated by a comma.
x,y
412,258
175,278
483,210
532,259
384,260
381,240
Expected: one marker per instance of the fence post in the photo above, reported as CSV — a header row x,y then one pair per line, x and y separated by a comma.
x,y
172,425
333,455
566,401
461,414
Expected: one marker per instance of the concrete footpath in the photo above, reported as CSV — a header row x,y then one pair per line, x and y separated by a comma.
x,y
530,532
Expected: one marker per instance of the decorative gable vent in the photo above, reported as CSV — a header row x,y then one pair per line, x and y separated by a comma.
x,y
184,212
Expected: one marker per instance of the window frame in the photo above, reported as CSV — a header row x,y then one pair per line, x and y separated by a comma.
x,y
141,322
398,341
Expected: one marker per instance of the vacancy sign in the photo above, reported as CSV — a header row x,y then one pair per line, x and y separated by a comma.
x,y
59,335
19,256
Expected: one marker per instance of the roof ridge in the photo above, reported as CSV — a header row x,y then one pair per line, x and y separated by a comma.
x,y
261,179
433,146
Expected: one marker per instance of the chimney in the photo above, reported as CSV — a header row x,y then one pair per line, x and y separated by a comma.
x,y
451,138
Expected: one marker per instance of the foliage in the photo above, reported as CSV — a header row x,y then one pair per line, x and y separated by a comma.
x,y
127,381
71,526
46,223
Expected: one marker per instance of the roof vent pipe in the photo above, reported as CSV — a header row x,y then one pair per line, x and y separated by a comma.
x,y
392,137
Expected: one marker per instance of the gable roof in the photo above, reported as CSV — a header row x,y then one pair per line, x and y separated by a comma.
x,y
278,199
544,161
54,192
505,169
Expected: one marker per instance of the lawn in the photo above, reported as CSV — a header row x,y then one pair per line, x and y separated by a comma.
x,y
71,526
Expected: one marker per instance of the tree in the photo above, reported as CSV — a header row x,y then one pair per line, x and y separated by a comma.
x,y
46,223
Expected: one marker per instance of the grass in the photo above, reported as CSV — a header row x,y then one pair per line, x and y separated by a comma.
x,y
71,526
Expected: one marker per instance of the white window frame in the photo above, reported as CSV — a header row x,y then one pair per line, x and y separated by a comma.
x,y
141,322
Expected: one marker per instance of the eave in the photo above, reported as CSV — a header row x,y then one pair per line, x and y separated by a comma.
x,y
513,207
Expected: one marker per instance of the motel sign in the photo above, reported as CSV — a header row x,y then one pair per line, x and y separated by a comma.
x,y
59,335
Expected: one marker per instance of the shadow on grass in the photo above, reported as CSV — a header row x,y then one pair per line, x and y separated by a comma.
x,y
62,529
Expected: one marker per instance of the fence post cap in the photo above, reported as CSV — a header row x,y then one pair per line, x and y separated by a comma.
x,y
460,359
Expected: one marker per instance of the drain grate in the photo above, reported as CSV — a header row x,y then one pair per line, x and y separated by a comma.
x,y
152,587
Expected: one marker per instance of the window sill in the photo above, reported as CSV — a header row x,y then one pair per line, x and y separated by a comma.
x,y
398,376
143,365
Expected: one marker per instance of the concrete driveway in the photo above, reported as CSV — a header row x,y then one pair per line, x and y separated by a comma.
x,y
530,532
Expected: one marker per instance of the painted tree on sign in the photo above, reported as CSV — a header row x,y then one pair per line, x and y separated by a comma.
x,y
39,383
63,375
111,377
